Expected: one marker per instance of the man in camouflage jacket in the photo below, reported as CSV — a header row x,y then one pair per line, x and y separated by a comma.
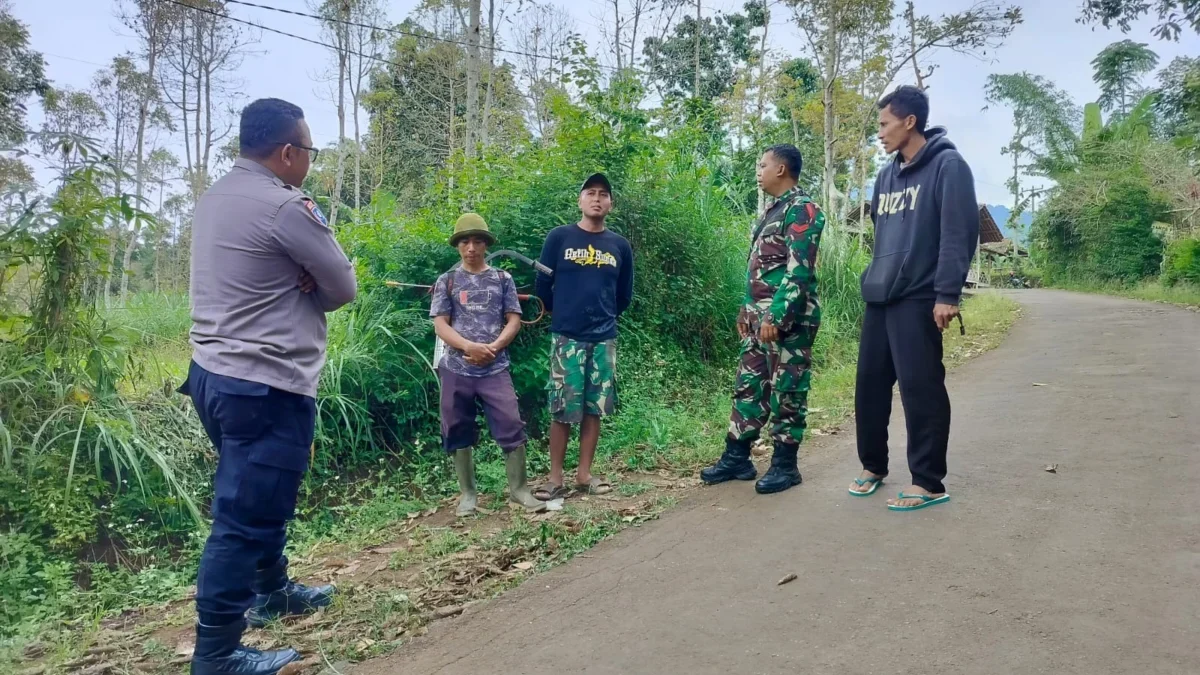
x,y
778,324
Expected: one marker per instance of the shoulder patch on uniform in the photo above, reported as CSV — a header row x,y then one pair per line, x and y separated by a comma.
x,y
799,229
315,211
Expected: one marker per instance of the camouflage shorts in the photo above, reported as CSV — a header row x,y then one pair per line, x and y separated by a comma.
x,y
583,379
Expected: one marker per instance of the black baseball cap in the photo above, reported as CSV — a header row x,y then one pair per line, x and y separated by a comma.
x,y
597,179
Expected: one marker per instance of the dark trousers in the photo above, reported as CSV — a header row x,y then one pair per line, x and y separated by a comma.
x,y
901,342
262,436
461,396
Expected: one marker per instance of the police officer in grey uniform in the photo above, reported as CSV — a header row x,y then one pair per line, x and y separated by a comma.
x,y
265,270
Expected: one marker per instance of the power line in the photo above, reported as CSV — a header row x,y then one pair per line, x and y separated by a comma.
x,y
72,58
387,29
326,45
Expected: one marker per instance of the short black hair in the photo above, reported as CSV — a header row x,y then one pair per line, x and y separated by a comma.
x,y
789,155
908,100
266,124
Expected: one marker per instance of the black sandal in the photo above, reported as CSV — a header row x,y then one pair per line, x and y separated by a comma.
x,y
549,492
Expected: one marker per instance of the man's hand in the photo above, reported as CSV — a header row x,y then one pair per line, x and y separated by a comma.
x,y
943,315
768,333
479,355
743,324
306,283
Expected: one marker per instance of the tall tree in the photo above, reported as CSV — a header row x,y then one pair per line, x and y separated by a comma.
x,y
542,33
204,50
473,72
151,22
335,19
698,39
1177,102
725,41
1172,15
417,100
22,75
830,27
160,167
836,31
487,124
1118,70
367,44
1044,121
118,90
70,112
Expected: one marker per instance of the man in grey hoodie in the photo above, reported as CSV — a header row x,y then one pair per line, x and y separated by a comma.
x,y
926,229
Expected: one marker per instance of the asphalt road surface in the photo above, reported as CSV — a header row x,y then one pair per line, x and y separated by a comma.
x,y
1093,570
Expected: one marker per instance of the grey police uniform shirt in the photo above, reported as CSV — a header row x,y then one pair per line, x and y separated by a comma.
x,y
252,236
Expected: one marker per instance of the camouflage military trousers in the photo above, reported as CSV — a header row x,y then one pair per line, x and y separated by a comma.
x,y
583,379
772,384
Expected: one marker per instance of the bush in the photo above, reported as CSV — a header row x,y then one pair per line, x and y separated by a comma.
x,y
1182,262
1109,237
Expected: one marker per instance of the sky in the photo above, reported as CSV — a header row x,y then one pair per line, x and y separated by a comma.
x,y
79,36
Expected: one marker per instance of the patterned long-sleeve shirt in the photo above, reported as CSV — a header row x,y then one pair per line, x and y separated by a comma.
x,y
782,269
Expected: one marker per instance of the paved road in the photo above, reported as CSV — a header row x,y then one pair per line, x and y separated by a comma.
x,y
1093,570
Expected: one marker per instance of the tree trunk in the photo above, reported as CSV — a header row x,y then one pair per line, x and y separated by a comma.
x,y
197,180
143,115
830,127
843,209
451,181
357,159
696,83
473,67
487,104
910,15
1016,199
183,102
762,77
118,124
617,34
862,208
637,20
343,56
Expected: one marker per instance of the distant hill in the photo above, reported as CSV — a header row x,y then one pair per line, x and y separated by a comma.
x,y
1002,213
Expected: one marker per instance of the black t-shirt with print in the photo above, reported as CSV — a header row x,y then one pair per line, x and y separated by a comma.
x,y
592,283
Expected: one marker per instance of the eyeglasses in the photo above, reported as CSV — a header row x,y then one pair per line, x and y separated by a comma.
x,y
313,153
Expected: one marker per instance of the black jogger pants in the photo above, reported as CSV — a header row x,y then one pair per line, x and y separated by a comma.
x,y
901,342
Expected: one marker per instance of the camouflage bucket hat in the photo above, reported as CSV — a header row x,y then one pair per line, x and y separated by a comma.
x,y
471,225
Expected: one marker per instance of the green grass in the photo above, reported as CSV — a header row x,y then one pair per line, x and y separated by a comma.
x,y
1183,295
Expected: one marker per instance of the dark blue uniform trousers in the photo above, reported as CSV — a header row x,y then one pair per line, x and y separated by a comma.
x,y
262,436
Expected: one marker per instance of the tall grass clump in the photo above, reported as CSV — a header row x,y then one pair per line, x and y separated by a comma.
x,y
83,468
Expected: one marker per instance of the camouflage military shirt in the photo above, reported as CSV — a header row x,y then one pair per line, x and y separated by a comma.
x,y
782,272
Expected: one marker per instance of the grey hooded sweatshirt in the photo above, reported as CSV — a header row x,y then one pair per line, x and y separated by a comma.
x,y
926,226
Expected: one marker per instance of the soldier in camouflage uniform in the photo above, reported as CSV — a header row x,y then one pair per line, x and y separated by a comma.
x,y
778,323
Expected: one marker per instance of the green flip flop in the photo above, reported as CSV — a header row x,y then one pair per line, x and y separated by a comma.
x,y
926,500
873,482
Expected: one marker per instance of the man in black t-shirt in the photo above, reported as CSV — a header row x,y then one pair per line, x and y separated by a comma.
x,y
591,286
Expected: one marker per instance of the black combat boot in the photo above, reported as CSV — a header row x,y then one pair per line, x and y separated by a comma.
x,y
783,473
276,596
734,464
219,651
